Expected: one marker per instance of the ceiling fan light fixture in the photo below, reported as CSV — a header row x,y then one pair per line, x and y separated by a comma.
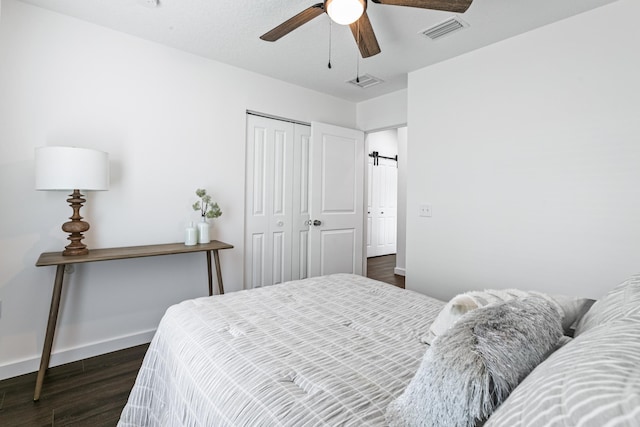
x,y
345,12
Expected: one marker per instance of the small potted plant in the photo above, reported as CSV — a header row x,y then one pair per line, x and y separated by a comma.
x,y
208,209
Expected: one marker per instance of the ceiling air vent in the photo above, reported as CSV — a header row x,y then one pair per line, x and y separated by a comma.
x,y
445,28
149,3
364,81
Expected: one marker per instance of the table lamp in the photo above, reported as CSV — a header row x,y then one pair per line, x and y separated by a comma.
x,y
72,169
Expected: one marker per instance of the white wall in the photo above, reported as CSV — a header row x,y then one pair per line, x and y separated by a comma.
x,y
172,122
401,243
383,112
385,142
529,152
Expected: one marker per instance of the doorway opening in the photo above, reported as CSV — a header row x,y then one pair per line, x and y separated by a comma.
x,y
386,196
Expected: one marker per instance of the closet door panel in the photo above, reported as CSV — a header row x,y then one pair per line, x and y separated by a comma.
x,y
301,165
269,201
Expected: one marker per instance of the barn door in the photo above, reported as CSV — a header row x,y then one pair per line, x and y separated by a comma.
x,y
382,209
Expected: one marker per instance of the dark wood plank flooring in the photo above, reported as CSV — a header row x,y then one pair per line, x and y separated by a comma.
x,y
382,267
92,392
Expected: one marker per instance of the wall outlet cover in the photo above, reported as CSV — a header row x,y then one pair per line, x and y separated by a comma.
x,y
425,210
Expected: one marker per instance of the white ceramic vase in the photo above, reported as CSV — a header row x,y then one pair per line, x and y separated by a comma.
x,y
191,235
203,231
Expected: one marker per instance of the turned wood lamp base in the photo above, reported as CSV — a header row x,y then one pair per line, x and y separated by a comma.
x,y
75,227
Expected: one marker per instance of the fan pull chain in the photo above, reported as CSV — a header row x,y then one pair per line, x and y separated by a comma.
x,y
358,52
330,27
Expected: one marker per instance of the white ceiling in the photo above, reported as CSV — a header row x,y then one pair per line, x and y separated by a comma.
x,y
228,31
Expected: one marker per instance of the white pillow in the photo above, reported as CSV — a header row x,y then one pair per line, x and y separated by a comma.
x,y
620,302
570,308
592,381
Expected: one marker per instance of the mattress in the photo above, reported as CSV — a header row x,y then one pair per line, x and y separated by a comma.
x,y
331,350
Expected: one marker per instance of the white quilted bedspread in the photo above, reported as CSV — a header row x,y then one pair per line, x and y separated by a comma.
x,y
331,350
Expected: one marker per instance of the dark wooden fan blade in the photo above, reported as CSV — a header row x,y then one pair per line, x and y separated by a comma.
x,y
365,37
292,23
458,6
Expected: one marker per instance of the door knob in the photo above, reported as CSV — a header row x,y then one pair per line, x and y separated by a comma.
x,y
316,222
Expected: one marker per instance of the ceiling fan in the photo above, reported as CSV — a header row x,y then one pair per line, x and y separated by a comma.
x,y
354,14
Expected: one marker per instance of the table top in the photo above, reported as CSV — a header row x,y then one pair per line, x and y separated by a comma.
x,y
106,254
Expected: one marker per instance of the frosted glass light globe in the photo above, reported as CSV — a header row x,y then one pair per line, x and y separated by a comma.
x,y
345,12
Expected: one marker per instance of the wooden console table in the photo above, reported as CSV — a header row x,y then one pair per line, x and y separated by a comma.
x,y
57,259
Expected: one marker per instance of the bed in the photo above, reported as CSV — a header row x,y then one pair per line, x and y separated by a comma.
x,y
331,350
344,350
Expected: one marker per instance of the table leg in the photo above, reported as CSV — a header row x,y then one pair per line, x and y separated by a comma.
x,y
216,257
51,328
209,272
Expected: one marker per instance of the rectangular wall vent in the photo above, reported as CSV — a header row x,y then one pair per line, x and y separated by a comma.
x,y
364,81
445,28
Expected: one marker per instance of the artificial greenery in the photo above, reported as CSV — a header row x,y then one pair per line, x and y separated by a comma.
x,y
207,208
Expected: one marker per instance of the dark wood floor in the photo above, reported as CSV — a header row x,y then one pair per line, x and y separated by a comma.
x,y
382,267
92,392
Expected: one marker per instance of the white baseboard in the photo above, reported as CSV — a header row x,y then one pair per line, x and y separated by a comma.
x,y
399,271
29,365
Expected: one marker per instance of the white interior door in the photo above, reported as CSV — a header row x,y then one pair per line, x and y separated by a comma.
x,y
337,200
383,208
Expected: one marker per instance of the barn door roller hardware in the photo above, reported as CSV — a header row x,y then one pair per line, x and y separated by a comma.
x,y
377,156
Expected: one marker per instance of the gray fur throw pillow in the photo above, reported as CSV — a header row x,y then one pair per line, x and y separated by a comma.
x,y
470,369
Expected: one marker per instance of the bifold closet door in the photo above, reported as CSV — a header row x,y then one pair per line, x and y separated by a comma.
x,y
304,212
276,201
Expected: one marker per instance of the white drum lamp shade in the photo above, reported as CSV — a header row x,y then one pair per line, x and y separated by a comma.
x,y
73,169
